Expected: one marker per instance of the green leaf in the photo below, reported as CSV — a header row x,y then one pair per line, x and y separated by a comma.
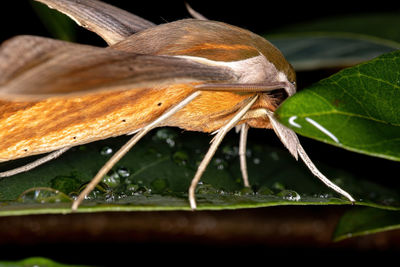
x,y
35,261
357,108
311,51
362,221
382,25
58,24
156,174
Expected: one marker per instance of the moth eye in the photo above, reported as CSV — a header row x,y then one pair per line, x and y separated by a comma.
x,y
294,83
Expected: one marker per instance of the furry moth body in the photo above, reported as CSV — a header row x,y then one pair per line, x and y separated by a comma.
x,y
198,75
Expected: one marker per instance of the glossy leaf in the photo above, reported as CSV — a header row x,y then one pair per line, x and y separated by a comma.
x,y
362,221
312,51
59,25
156,173
357,108
36,261
382,25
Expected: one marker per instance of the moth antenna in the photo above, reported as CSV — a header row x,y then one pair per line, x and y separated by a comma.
x,y
290,140
125,148
194,13
34,164
213,148
242,153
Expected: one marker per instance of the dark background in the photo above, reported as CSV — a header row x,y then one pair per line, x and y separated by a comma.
x,y
17,17
122,237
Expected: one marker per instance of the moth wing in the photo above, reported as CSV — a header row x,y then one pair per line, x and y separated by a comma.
x,y
111,23
34,68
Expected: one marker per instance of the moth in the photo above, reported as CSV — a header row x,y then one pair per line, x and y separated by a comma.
x,y
195,74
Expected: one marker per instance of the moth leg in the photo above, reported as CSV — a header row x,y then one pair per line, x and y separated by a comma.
x,y
290,140
323,178
34,164
125,148
242,153
211,151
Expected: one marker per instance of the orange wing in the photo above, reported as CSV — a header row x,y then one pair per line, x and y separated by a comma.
x,y
56,94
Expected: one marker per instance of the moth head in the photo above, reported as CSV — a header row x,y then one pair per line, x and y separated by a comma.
x,y
272,66
252,58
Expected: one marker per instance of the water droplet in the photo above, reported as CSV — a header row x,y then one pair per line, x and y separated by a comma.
x,y
322,195
274,155
106,151
230,152
112,179
245,191
101,190
349,235
132,187
263,190
278,186
256,161
222,192
203,188
249,153
289,195
170,142
123,172
167,135
221,164
136,188
65,184
43,195
159,185
180,158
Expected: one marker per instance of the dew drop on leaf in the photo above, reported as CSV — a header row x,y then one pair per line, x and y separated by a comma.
x,y
123,172
65,184
204,188
159,185
263,190
43,195
180,158
245,191
289,195
106,151
112,179
167,135
278,186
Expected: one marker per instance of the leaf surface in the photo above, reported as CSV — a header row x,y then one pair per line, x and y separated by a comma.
x,y
357,108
